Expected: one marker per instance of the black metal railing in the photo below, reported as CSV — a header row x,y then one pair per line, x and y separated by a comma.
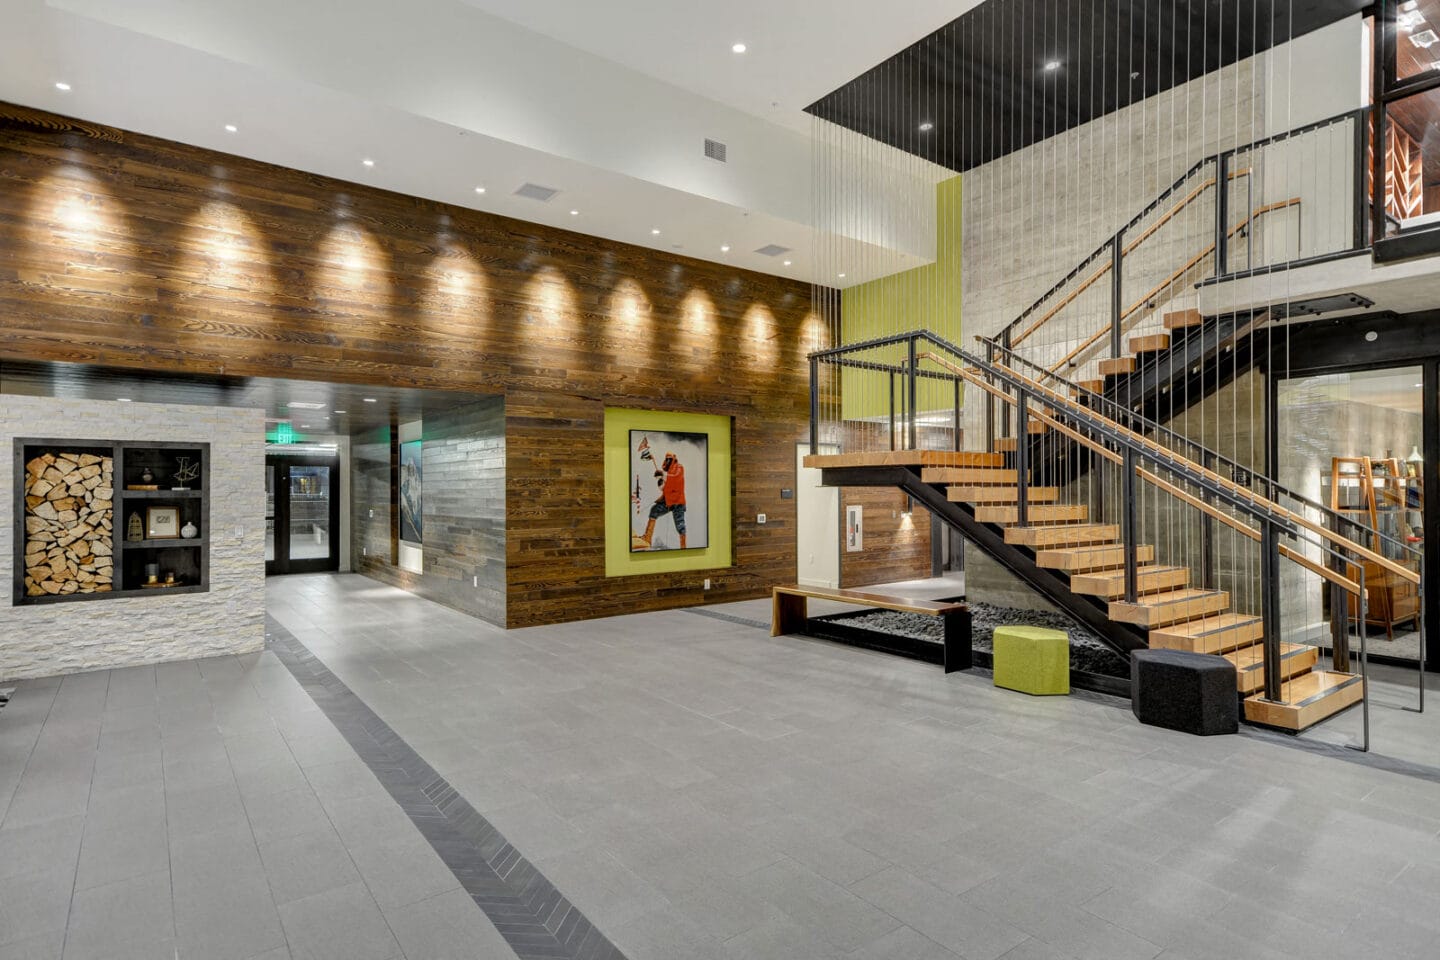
x,y
1285,525
1230,177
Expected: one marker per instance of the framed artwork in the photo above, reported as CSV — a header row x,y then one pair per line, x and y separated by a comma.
x,y
669,491
854,528
162,523
412,516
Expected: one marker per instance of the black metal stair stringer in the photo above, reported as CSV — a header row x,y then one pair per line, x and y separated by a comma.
x,y
1050,584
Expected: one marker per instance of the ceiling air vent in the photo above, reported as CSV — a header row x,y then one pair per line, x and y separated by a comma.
x,y
533,191
772,250
714,149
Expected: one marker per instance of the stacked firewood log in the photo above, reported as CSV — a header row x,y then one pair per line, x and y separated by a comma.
x,y
69,515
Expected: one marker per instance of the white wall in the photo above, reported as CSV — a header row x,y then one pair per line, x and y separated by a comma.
x,y
48,639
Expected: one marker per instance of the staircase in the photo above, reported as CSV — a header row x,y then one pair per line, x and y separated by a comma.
x,y
1037,522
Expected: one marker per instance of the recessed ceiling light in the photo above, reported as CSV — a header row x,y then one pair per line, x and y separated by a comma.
x,y
341,411
368,162
926,127
574,213
63,87
368,399
479,189
1371,336
724,248
231,128
655,232
304,426
127,399
842,276
1052,65
787,263
738,48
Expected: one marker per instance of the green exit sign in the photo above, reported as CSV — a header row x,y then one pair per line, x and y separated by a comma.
x,y
283,433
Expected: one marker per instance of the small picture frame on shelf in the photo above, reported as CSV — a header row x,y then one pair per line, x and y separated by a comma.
x,y
162,523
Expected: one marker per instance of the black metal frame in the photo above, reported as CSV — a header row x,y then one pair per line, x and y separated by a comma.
x,y
1389,88
282,564
122,499
1339,346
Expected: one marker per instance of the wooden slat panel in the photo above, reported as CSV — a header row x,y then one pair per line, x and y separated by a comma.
x,y
130,251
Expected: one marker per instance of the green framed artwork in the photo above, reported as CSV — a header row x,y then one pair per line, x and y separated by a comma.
x,y
644,532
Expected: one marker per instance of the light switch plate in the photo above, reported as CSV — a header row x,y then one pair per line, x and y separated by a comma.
x,y
760,518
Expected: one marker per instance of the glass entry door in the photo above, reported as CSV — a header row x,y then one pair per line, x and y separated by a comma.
x,y
302,522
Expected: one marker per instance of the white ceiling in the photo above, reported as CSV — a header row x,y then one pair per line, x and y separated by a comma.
x,y
797,50
609,102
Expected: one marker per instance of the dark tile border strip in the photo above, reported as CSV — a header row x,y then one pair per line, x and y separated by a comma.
x,y
727,617
533,917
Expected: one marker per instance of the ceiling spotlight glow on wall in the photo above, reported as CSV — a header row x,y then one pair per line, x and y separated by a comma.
x,y
724,248
738,48
63,87
479,189
231,128
787,263
655,232
368,162
574,213
368,399
842,276
926,127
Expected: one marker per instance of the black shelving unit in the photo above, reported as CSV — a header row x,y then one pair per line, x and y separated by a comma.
x,y
187,559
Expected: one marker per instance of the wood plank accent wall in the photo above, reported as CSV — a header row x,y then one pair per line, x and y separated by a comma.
x,y
131,251
896,547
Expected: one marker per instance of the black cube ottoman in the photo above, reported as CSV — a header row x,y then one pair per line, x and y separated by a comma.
x,y
1178,690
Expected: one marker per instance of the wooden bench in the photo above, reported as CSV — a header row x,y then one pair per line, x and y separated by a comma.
x,y
791,608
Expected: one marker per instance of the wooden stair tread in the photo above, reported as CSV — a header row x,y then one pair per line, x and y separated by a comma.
x,y
1006,445
970,476
1159,609
1078,559
1306,700
1150,343
1110,584
1118,365
1037,513
1249,661
904,458
1182,319
1094,386
980,494
1062,534
1216,633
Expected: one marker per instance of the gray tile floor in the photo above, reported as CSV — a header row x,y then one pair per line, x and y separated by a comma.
x,y
208,810
698,790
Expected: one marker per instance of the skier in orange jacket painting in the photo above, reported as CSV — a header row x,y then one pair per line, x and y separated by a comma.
x,y
670,477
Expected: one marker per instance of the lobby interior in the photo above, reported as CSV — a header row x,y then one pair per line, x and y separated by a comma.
x,y
414,409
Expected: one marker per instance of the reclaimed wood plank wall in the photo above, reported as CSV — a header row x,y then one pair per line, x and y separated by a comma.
x,y
129,251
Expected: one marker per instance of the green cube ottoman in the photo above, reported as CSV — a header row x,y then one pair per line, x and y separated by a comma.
x,y
1032,660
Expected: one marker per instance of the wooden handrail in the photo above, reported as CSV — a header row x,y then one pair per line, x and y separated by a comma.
x,y
1129,248
1189,265
1174,490
1210,510
1163,454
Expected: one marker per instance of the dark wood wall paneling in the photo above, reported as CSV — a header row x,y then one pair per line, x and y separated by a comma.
x,y
130,251
896,547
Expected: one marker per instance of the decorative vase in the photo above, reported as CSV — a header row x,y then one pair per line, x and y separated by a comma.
x,y
152,572
135,529
188,531
147,476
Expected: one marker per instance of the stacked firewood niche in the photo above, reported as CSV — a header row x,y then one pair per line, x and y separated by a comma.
x,y
69,509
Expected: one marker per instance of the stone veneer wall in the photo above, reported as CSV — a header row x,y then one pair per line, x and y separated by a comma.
x,y
464,510
48,639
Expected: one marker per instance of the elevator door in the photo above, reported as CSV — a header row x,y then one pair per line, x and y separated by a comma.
x,y
302,514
